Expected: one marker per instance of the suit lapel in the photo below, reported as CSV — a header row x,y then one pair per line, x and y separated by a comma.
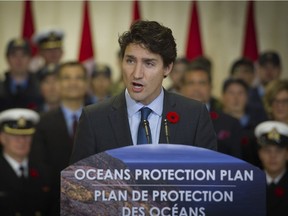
x,y
119,121
168,106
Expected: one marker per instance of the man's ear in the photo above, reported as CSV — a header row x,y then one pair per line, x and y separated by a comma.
x,y
168,69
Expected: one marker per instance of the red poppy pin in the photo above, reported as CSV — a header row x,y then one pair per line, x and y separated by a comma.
x,y
172,117
214,115
279,191
33,173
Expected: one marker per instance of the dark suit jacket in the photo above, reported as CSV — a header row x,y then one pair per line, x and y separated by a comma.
x,y
52,145
277,198
105,125
255,106
26,98
26,197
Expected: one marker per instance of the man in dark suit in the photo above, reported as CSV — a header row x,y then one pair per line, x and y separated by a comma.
x,y
269,69
53,140
24,185
272,137
148,51
20,88
197,84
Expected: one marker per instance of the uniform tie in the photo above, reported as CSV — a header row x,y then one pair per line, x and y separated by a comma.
x,y
144,133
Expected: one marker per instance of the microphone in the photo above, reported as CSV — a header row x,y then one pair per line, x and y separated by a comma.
x,y
146,127
166,131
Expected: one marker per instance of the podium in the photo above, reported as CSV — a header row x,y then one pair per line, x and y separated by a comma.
x,y
164,179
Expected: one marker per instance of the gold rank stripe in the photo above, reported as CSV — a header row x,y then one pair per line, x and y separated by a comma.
x,y
15,131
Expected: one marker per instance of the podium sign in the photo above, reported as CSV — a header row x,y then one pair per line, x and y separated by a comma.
x,y
162,179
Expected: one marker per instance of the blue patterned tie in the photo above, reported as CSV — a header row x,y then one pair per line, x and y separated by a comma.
x,y
144,133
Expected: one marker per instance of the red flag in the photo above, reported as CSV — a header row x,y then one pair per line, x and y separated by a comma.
x,y
136,11
250,49
194,44
28,24
86,53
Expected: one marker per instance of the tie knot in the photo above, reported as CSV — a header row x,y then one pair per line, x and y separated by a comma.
x,y
145,112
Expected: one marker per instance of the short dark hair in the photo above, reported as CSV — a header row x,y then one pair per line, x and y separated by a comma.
x,y
200,64
232,81
242,62
71,64
153,36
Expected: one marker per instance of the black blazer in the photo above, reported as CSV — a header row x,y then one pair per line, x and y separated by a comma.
x,y
105,125
52,143
24,197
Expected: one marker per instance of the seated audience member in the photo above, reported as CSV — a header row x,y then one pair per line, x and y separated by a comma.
x,y
24,185
234,100
268,69
118,86
101,83
197,84
276,100
272,139
20,88
54,137
243,69
176,74
49,88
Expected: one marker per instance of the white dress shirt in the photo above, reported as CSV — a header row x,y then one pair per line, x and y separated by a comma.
x,y
16,165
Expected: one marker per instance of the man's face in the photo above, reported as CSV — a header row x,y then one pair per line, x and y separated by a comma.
x,y
280,106
197,86
18,62
16,146
273,158
268,72
101,85
235,98
177,73
143,73
245,73
52,56
50,89
73,83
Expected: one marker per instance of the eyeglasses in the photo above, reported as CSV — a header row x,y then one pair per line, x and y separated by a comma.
x,y
283,102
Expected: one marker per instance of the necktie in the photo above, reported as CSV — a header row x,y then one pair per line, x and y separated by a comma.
x,y
22,171
144,133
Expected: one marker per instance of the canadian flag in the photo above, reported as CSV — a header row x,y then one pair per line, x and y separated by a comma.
x,y
194,43
86,53
250,48
28,25
136,11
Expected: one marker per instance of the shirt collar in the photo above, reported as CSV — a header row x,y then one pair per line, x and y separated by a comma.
x,y
156,105
69,113
270,180
15,164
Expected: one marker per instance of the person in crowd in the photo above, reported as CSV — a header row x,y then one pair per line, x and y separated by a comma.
x,y
272,139
118,86
50,45
269,69
49,88
148,52
234,99
197,84
276,100
20,88
54,137
101,82
25,186
176,74
243,69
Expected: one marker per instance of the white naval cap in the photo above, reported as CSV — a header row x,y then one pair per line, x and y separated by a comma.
x,y
49,38
19,121
272,132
